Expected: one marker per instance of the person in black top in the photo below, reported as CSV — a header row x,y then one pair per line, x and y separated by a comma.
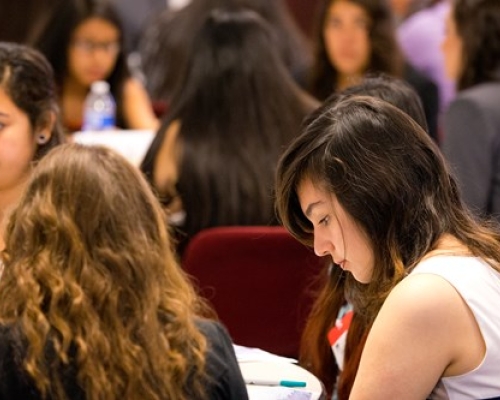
x,y
92,302
472,122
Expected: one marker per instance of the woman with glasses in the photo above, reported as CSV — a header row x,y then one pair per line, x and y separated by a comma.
x,y
92,39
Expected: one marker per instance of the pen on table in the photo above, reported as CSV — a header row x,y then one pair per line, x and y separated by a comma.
x,y
275,382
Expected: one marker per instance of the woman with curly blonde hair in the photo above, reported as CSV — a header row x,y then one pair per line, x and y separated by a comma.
x,y
92,302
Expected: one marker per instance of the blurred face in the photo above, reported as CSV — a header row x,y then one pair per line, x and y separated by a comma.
x,y
336,233
400,7
452,50
94,48
346,36
17,145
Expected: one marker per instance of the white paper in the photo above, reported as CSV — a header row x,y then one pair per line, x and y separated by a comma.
x,y
251,354
276,393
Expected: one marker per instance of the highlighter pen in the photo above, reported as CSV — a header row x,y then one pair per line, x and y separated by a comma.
x,y
275,382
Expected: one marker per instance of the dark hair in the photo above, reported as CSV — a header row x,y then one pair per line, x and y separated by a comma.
x,y
385,54
166,43
238,107
30,21
316,353
292,46
392,90
478,25
91,289
27,78
389,175
57,50
385,87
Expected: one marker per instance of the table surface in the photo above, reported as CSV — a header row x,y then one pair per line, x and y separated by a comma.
x,y
132,144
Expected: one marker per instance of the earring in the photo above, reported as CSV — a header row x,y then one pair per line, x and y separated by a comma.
x,y
42,139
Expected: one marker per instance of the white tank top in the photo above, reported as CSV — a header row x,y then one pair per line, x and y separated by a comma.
x,y
479,285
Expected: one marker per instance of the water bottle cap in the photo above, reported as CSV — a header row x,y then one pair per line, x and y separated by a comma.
x,y
100,87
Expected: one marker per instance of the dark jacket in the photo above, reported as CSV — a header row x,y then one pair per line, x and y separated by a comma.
x,y
225,381
472,146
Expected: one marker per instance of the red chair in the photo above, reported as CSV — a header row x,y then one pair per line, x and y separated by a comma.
x,y
258,279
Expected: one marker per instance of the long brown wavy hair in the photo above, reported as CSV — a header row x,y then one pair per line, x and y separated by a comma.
x,y
91,284
315,351
391,178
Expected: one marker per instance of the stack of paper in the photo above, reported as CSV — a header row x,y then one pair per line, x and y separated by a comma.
x,y
272,377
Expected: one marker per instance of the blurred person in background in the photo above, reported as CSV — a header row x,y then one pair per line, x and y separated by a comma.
x,y
356,37
472,123
89,48
420,36
236,108
165,44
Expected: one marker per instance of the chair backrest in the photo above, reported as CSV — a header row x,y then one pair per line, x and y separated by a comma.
x,y
259,279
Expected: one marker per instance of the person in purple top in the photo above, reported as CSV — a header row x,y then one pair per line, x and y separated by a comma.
x,y
420,37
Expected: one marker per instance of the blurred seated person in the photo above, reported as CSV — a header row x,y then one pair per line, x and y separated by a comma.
x,y
89,49
237,107
166,42
356,37
92,302
420,37
472,122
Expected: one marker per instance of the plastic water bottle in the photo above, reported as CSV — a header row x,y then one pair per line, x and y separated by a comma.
x,y
99,109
